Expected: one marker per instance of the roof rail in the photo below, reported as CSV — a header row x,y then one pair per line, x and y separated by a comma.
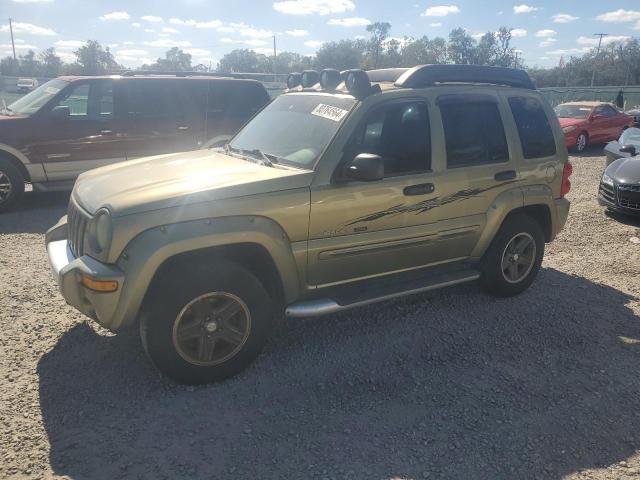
x,y
429,75
173,73
385,74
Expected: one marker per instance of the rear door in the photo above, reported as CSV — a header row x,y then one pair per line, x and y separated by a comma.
x,y
155,118
88,138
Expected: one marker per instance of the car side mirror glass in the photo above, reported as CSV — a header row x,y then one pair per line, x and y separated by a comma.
x,y
60,112
629,149
366,167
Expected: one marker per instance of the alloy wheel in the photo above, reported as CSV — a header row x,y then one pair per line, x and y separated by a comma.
x,y
518,257
5,186
211,328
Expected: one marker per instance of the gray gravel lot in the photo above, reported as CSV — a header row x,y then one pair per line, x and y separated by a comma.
x,y
451,384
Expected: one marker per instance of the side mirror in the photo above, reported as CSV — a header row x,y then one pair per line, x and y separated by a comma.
x,y
629,149
60,112
366,167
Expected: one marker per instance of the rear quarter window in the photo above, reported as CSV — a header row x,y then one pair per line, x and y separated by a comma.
x,y
536,135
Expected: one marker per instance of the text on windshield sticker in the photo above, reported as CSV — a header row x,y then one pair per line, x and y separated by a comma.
x,y
327,111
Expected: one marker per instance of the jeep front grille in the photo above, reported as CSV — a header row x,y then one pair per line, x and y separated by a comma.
x,y
77,220
629,196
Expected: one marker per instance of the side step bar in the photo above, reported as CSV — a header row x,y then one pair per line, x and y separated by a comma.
x,y
324,306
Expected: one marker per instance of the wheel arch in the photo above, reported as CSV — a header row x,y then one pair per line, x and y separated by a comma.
x,y
13,156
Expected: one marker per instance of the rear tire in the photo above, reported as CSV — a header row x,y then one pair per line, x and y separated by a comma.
x,y
513,260
206,324
11,184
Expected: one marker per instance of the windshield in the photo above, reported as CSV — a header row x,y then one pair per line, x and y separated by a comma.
x,y
32,102
631,136
294,129
572,111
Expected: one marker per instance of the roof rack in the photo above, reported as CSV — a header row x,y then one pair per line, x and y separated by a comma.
x,y
429,75
168,73
385,74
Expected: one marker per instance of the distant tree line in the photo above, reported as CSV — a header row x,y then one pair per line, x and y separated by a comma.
x,y
616,64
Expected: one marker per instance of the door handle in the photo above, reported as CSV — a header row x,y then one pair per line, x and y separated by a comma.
x,y
106,132
183,127
420,189
504,176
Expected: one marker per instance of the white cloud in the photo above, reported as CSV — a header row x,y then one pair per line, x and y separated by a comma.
x,y
198,52
564,18
20,46
501,12
311,7
168,43
196,23
546,33
67,57
68,44
252,42
518,33
359,37
594,41
478,36
569,51
313,43
115,16
349,22
152,18
263,51
32,1
170,30
297,33
548,42
28,28
132,52
523,8
436,24
149,30
136,25
620,16
440,11
134,61
246,30
112,45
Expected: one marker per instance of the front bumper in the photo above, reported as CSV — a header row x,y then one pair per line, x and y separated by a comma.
x,y
68,269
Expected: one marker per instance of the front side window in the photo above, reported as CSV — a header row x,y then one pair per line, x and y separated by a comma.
x,y
474,133
34,101
77,100
536,136
295,128
400,134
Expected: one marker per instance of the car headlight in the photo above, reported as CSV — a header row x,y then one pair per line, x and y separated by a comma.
x,y
100,231
607,180
569,129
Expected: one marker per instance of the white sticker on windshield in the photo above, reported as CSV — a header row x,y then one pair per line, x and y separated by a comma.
x,y
327,111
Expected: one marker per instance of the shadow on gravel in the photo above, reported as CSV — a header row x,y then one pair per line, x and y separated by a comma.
x,y
447,385
632,221
592,151
36,213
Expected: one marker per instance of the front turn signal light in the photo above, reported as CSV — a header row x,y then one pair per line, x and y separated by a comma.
x,y
103,286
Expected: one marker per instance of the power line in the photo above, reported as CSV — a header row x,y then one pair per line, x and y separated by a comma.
x,y
595,61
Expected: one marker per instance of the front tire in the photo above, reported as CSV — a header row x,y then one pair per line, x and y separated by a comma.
x,y
513,260
581,142
11,184
206,324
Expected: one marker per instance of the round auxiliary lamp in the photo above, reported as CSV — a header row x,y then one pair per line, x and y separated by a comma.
x,y
330,78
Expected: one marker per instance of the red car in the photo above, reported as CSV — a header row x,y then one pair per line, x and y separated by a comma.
x,y
585,123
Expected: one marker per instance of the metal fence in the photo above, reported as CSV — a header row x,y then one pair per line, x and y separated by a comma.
x,y
630,94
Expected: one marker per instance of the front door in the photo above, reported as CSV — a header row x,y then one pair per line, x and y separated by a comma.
x,y
88,138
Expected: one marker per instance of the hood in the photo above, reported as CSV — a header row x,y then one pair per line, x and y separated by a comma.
x,y
625,170
177,179
566,122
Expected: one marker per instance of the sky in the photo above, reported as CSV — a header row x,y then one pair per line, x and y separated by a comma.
x,y
138,31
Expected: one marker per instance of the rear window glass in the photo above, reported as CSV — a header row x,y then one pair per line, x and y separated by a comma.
x,y
536,136
474,133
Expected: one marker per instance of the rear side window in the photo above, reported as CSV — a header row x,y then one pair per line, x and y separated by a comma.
x,y
536,136
152,99
474,133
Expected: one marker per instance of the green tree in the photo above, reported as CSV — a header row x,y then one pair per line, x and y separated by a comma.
x,y
92,59
287,62
174,60
341,55
461,47
29,65
379,33
243,61
50,63
9,67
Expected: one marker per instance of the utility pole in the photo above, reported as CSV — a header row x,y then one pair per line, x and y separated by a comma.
x,y
13,45
595,60
275,54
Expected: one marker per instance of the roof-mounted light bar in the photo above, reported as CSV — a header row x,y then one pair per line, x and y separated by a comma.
x,y
429,75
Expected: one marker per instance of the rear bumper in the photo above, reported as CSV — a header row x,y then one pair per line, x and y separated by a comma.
x,y
562,213
67,269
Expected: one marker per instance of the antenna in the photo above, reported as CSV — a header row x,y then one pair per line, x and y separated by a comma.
x,y
595,60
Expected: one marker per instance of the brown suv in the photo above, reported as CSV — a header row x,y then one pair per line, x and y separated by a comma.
x,y
73,124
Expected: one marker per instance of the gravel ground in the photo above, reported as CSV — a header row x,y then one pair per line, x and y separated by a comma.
x,y
452,384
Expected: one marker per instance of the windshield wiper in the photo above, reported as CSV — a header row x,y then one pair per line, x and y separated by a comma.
x,y
256,153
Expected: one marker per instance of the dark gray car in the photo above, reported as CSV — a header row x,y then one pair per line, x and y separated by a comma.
x,y
620,183
635,113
